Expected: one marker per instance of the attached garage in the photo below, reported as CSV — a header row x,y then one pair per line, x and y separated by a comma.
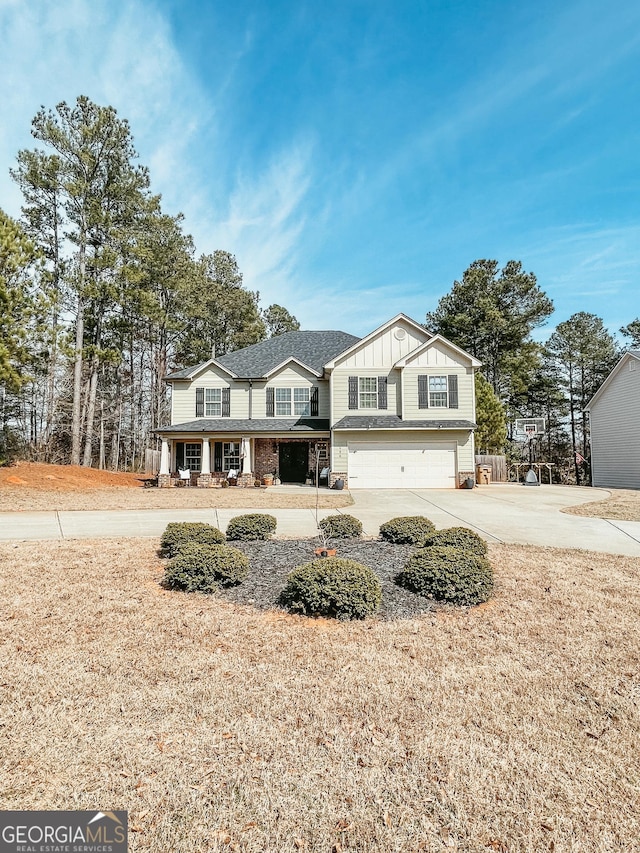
x,y
402,465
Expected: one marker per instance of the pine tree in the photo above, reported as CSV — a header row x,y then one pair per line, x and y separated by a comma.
x,y
491,433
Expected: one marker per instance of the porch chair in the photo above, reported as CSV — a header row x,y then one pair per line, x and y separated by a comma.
x,y
185,476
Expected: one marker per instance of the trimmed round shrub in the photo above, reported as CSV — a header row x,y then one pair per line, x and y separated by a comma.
x,y
459,537
448,574
179,533
334,587
407,530
341,527
203,568
254,525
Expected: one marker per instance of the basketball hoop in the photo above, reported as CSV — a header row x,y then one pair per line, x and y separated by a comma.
x,y
529,428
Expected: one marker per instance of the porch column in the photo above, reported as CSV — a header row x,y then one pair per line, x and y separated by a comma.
x,y
204,477
164,474
164,457
206,457
245,455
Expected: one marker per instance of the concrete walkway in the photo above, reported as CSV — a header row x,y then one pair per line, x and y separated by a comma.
x,y
499,513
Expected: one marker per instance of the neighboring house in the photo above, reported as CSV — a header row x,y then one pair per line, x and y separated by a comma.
x,y
395,409
614,412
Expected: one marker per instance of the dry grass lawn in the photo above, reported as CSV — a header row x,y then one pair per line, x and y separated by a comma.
x,y
624,504
31,486
510,727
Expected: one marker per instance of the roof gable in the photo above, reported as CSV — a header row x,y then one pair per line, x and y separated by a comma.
x,y
430,351
397,337
292,362
311,350
631,355
191,372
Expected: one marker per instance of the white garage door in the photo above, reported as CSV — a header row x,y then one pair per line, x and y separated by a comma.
x,y
402,465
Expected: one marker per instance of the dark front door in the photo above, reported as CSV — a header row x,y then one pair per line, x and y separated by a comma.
x,y
294,461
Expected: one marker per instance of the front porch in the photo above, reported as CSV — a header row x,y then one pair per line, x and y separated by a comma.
x,y
211,461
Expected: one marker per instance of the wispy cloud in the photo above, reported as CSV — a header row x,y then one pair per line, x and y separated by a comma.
x,y
585,267
116,54
264,221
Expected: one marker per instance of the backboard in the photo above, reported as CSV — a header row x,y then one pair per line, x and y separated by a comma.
x,y
529,427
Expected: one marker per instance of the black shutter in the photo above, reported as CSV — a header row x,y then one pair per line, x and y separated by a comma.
x,y
217,456
453,391
423,392
271,409
179,454
226,402
353,392
314,403
382,392
199,402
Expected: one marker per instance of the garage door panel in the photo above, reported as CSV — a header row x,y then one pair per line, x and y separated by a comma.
x,y
402,465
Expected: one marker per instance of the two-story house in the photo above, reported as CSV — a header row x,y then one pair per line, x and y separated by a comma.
x,y
395,409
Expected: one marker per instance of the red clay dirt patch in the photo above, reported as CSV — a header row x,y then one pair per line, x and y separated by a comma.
x,y
64,478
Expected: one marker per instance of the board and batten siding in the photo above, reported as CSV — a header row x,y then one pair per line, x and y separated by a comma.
x,y
615,430
385,349
464,442
412,411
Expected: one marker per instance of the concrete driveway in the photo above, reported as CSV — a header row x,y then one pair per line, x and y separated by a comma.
x,y
507,513
499,513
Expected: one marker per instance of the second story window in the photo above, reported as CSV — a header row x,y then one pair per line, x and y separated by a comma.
x,y
438,392
300,402
292,402
367,392
283,401
213,402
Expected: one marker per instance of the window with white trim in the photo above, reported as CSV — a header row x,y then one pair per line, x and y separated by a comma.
x,y
438,398
301,402
368,392
213,402
283,401
231,456
193,456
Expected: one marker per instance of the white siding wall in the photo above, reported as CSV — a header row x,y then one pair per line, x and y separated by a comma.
x,y
615,430
464,441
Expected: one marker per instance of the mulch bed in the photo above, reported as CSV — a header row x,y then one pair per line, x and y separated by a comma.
x,y
272,561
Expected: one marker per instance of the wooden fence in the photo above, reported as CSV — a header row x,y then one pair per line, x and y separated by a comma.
x,y
498,466
151,462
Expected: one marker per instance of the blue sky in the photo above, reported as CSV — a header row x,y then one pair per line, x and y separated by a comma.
x,y
358,156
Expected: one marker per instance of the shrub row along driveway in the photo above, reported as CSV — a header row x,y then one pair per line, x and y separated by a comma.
x,y
500,513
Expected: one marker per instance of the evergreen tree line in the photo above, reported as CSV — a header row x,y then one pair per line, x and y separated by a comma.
x,y
492,313
101,294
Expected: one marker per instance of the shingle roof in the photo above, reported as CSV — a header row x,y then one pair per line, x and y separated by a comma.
x,y
314,349
186,372
242,425
395,422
